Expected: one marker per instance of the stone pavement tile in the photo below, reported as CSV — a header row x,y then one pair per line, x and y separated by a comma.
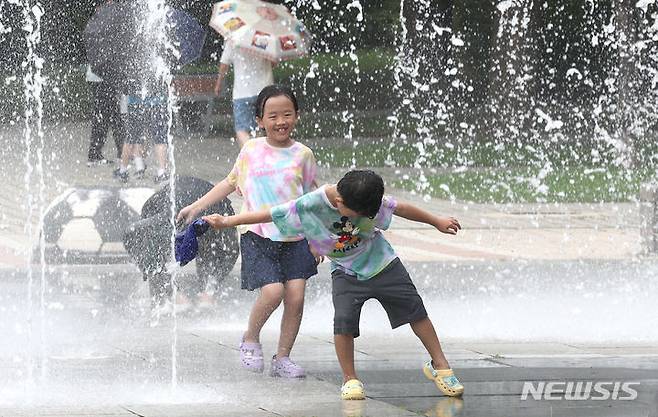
x,y
336,408
68,411
614,349
307,348
428,245
399,381
521,349
198,410
331,370
474,363
642,363
512,406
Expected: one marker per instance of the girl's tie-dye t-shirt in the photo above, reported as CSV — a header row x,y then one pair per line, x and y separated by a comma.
x,y
354,245
267,176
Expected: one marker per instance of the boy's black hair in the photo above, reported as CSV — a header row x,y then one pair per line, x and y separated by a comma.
x,y
274,90
362,191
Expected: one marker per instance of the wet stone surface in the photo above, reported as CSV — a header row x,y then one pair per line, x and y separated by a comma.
x,y
92,352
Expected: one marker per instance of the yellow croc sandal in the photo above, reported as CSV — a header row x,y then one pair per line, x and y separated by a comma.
x,y
352,390
445,380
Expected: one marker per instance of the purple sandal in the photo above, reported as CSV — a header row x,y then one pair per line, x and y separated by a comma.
x,y
285,368
251,356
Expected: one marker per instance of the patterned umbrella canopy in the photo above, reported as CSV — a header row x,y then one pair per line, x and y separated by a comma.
x,y
264,29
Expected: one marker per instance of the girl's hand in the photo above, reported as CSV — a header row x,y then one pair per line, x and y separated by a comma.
x,y
448,225
187,214
318,258
217,221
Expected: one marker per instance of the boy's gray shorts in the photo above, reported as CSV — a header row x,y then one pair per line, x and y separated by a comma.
x,y
392,287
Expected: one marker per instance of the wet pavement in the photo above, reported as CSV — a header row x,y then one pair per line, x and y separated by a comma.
x,y
95,349
550,299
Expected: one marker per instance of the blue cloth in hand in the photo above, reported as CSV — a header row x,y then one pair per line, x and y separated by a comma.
x,y
187,245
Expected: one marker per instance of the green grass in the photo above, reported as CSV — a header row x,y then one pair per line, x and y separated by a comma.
x,y
525,185
568,172
370,60
478,154
331,125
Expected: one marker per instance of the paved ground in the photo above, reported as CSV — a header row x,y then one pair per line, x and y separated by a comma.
x,y
98,357
526,293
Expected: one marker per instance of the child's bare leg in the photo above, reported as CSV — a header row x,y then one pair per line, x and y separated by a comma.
x,y
161,156
293,309
344,344
268,300
126,154
424,329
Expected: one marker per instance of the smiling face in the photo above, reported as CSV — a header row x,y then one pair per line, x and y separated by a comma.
x,y
279,119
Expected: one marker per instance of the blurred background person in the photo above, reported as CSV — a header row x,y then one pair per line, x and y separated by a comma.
x,y
105,116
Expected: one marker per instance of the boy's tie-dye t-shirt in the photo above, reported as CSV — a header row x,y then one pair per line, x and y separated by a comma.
x,y
355,245
267,176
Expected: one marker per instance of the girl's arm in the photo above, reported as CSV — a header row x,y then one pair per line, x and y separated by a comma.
x,y
219,192
448,225
218,221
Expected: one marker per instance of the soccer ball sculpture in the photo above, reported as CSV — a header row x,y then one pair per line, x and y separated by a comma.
x,y
86,225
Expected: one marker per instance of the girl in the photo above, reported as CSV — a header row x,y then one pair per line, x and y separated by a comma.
x,y
269,171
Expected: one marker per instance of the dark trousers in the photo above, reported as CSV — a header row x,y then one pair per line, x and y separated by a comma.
x,y
106,116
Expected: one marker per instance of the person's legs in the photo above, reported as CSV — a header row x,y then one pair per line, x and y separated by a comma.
x,y
425,331
297,264
121,172
244,118
268,300
100,123
161,156
126,155
118,123
352,388
348,296
134,136
293,309
397,294
138,159
158,117
344,344
160,288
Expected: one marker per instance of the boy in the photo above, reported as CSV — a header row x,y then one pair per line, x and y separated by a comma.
x,y
344,223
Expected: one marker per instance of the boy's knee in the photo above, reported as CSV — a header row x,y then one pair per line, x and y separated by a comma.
x,y
345,324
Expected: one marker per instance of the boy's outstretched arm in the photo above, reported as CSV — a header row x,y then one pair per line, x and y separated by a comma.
x,y
219,192
217,221
448,225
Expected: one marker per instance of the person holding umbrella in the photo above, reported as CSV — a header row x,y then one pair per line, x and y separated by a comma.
x,y
257,36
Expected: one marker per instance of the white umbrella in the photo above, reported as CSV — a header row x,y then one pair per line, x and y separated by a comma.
x,y
265,29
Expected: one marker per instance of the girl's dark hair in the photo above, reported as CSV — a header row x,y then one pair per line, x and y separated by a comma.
x,y
274,90
362,191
